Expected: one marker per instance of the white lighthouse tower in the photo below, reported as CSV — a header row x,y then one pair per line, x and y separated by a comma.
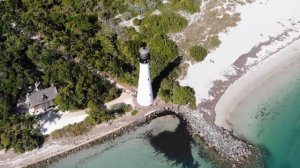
x,y
145,94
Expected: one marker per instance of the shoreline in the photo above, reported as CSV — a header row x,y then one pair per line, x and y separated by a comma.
x,y
241,153
46,162
222,147
280,62
53,147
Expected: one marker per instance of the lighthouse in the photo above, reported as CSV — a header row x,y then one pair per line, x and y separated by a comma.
x,y
145,94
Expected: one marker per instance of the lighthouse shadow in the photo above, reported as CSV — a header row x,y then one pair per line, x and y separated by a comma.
x,y
175,146
166,72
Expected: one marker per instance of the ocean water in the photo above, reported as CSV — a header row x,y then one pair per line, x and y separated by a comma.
x,y
270,118
163,143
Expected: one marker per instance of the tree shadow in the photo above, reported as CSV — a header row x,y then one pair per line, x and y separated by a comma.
x,y
48,117
156,82
176,146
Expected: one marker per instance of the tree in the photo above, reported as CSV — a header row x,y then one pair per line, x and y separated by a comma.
x,y
163,51
183,96
97,114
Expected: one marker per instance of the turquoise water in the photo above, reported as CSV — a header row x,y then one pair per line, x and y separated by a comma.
x,y
279,133
161,144
270,118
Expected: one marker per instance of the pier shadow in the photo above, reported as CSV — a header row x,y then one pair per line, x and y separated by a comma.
x,y
176,146
156,82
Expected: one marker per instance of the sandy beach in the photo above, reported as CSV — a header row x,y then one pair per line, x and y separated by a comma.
x,y
266,26
284,62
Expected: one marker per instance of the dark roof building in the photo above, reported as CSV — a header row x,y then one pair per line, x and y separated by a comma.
x,y
40,100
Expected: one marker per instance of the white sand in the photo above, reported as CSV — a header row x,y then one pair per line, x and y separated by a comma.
x,y
129,23
260,21
64,119
275,68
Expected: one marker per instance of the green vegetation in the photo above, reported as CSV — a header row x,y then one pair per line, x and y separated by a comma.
x,y
76,84
171,91
72,130
134,112
166,22
20,133
24,61
127,108
66,43
198,53
191,6
17,73
121,108
97,115
183,96
136,21
163,51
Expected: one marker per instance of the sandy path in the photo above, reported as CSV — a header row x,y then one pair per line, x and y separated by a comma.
x,y
126,97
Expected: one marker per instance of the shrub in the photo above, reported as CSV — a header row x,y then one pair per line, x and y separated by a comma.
x,y
198,53
121,108
163,51
72,130
127,108
134,112
191,6
214,41
97,114
136,21
166,22
184,96
127,16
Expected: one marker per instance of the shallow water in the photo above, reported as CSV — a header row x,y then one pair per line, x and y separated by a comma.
x,y
270,117
161,144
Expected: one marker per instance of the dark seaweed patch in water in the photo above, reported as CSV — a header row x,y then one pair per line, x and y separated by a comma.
x,y
176,146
